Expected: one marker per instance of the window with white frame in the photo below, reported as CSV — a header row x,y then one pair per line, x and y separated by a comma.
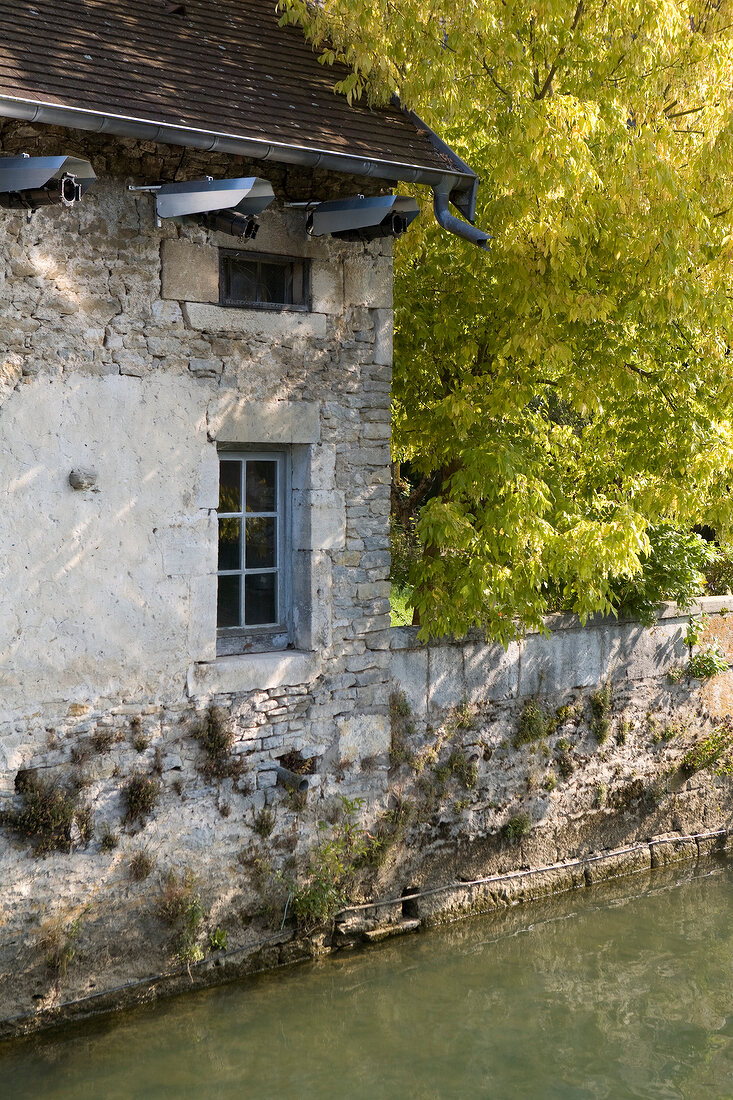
x,y
253,573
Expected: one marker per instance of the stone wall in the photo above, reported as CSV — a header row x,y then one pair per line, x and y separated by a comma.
x,y
113,360
563,745
492,793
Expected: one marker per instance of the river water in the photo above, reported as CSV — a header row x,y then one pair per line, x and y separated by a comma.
x,y
623,990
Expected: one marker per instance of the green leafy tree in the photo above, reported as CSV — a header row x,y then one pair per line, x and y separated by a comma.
x,y
570,390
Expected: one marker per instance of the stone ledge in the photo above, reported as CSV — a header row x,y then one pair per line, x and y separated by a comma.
x,y
254,322
252,672
239,420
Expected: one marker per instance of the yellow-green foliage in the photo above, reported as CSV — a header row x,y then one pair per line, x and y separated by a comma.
x,y
568,389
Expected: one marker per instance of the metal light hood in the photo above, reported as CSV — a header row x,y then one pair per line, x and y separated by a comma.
x,y
360,218
41,181
248,196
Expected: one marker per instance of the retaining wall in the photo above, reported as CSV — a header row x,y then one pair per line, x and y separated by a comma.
x,y
512,774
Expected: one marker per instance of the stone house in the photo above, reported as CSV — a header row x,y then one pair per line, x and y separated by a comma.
x,y
194,417
141,356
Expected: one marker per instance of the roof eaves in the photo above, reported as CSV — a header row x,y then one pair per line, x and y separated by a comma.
x,y
462,180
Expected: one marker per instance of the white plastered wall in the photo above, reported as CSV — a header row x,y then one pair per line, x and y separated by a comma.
x,y
106,590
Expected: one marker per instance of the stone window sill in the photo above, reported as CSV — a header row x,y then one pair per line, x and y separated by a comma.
x,y
253,672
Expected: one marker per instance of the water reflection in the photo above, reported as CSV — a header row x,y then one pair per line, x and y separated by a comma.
x,y
623,991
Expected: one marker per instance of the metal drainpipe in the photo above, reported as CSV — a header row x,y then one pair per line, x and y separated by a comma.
x,y
456,225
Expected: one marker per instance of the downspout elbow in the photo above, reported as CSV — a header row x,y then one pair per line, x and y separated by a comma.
x,y
456,225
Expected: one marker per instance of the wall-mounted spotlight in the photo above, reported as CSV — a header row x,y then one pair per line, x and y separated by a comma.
x,y
363,219
29,182
229,206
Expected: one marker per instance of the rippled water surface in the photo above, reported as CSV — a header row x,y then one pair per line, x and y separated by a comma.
x,y
621,991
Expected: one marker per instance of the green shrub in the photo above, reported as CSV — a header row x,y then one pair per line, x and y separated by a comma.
x,y
58,941
402,728
464,769
532,725
600,709
218,940
565,764
264,822
719,573
140,866
674,569
109,840
707,662
517,827
180,908
708,751
102,740
319,898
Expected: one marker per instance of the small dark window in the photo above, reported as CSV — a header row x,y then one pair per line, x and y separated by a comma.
x,y
261,281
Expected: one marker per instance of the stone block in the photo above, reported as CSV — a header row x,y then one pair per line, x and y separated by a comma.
x,y
205,368
362,735
189,272
716,694
261,323
252,672
187,548
383,336
635,652
367,282
206,488
446,677
409,669
319,520
491,671
311,589
266,779
556,664
202,618
235,419
672,850
314,467
327,287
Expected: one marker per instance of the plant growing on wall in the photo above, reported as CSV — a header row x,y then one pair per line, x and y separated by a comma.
x,y
48,813
216,738
140,795
714,750
317,900
708,661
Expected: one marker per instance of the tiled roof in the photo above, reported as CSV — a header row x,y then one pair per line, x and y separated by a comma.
x,y
223,66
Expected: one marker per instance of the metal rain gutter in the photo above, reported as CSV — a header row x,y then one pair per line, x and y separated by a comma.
x,y
458,185
456,225
464,201
210,141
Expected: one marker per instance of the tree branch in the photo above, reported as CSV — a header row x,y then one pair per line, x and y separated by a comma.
x,y
657,383
495,82
553,68
680,114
